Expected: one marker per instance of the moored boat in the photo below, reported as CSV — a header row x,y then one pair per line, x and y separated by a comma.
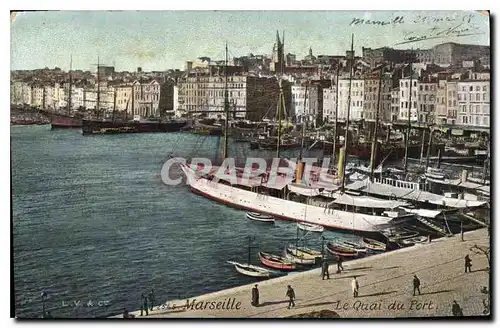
x,y
251,270
259,217
413,241
398,235
374,245
350,244
299,257
276,262
341,250
310,227
306,250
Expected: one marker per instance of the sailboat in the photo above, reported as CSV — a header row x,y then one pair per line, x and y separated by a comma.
x,y
65,121
243,193
249,269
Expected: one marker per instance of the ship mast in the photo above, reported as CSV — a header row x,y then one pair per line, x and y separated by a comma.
x,y
303,125
407,141
226,110
344,160
375,128
336,114
70,84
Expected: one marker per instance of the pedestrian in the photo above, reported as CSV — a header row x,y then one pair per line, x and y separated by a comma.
x,y
152,299
144,305
355,287
468,263
416,285
290,293
125,314
255,296
456,310
339,264
324,269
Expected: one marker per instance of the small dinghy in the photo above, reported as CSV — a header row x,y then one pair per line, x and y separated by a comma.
x,y
276,262
374,245
341,250
414,240
350,244
310,227
299,257
251,270
398,235
259,217
307,250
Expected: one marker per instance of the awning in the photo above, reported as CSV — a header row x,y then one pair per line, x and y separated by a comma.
x,y
365,201
303,190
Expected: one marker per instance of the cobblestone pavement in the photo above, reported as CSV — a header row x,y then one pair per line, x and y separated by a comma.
x,y
386,287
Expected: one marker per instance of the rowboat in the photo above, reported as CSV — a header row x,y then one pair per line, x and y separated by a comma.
x,y
306,250
349,244
397,235
414,240
251,270
310,227
259,217
299,257
374,245
341,250
276,262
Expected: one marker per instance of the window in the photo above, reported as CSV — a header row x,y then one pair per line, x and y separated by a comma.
x,y
484,88
414,84
477,120
402,93
406,84
454,103
485,121
459,96
421,88
470,96
471,88
478,97
484,96
478,88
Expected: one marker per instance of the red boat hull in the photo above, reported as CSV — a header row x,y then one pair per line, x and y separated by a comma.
x,y
340,251
275,264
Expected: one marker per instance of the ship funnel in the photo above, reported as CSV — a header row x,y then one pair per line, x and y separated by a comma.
x,y
299,172
340,166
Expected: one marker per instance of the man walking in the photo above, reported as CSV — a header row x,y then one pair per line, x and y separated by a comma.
x,y
468,263
355,287
290,293
416,285
255,296
324,269
339,264
152,299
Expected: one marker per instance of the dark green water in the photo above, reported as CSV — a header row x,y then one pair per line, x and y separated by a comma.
x,y
92,221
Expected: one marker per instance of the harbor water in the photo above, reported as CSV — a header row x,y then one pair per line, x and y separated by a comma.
x,y
92,221
94,227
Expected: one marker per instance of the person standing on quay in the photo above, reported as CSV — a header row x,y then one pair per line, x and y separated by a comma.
x,y
324,269
355,287
144,304
255,296
456,310
339,264
416,285
468,263
152,299
290,293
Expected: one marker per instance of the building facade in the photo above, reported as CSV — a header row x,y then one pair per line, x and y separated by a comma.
x,y
408,107
329,103
473,103
426,103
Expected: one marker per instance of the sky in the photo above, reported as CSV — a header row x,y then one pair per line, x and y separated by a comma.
x,y
160,40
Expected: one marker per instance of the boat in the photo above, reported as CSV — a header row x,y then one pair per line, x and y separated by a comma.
x,y
374,245
414,240
90,127
310,227
397,235
311,252
297,256
276,262
341,250
346,243
251,270
259,217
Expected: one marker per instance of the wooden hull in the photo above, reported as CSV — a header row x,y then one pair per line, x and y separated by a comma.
x,y
251,270
414,240
298,257
374,245
259,217
358,248
276,262
310,227
341,251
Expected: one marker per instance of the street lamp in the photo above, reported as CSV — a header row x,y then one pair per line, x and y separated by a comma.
x,y
44,298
